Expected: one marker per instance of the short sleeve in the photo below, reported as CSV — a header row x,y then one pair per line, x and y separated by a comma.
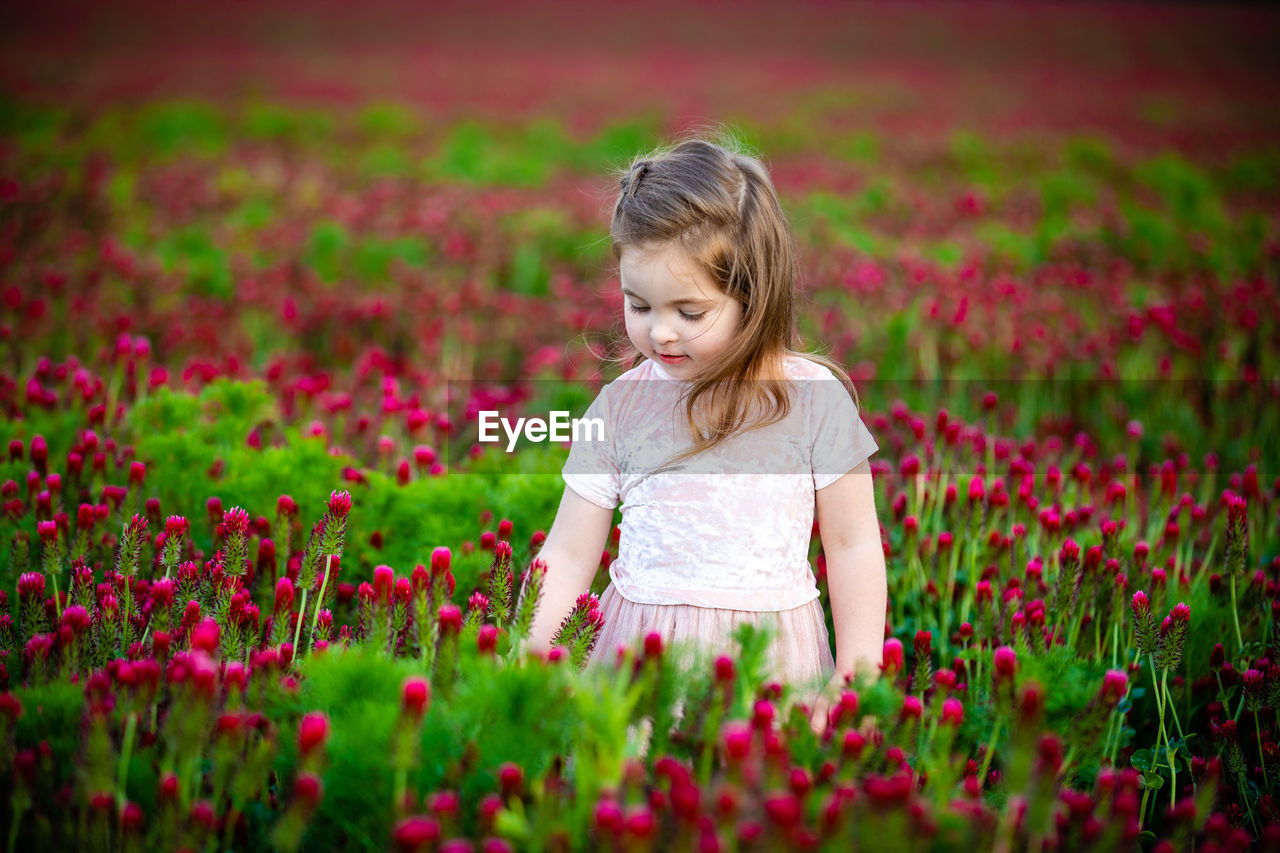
x,y
840,441
591,469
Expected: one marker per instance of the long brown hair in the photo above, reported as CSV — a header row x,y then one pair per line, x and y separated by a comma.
x,y
715,200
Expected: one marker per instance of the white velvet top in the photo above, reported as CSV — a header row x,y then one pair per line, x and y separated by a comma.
x,y
729,528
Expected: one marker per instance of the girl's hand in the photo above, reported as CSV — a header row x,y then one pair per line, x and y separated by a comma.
x,y
819,717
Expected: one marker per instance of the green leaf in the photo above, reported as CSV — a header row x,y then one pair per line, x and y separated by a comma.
x,y
1142,759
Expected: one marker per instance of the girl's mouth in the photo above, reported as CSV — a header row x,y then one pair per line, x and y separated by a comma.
x,y
672,359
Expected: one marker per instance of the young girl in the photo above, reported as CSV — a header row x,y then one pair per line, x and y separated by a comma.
x,y
720,442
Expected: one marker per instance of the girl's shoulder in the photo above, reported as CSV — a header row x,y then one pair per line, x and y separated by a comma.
x,y
796,366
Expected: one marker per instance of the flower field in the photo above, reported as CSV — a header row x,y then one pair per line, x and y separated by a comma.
x,y
260,587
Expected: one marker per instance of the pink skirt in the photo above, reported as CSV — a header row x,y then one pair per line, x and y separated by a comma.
x,y
799,652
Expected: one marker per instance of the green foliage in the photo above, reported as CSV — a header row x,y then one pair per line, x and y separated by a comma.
x,y
1187,192
191,252
473,154
1020,250
520,713
385,161
414,519
281,123
543,239
360,693
325,248
1089,153
388,120
252,215
972,154
52,712
178,433
183,126
33,126
614,146
372,259
841,217
335,254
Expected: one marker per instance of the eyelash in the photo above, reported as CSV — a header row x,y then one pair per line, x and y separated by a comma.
x,y
692,318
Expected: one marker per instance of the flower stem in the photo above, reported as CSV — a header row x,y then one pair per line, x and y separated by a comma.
x,y
57,599
1235,614
130,726
315,617
991,748
1169,703
1257,730
297,628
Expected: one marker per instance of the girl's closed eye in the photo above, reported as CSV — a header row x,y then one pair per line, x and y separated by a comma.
x,y
693,318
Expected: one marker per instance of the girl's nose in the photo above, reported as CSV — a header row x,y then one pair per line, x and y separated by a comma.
x,y
662,332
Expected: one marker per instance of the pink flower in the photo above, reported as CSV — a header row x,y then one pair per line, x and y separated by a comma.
x,y
737,740
762,715
725,670
383,582
339,504
313,732
1114,685
891,662
511,779
487,640
784,810
609,817
1006,663
952,711
416,833
976,490
308,790
284,594
415,696
237,521
205,637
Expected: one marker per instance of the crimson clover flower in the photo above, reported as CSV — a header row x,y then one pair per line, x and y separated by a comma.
x,y
1172,637
1143,623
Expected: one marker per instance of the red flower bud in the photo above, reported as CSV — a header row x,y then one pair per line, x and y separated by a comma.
x,y
450,617
892,658
652,645
725,670
1006,663
737,740
415,695
313,732
205,637
339,504
511,779
416,833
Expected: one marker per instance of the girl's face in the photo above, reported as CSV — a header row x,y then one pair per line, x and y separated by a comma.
x,y
675,313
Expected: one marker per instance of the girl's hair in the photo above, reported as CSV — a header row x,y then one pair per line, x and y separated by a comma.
x,y
717,203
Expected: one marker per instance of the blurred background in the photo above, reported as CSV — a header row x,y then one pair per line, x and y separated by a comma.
x,y
1073,206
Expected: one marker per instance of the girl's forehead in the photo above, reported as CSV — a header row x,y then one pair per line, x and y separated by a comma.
x,y
662,265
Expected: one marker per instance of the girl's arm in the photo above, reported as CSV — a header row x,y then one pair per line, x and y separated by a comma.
x,y
856,575
572,553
